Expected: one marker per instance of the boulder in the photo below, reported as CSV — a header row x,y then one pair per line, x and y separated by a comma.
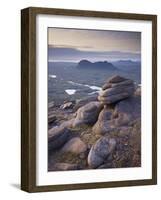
x,y
116,79
126,111
122,115
75,145
88,114
127,82
84,101
68,123
57,137
100,151
51,118
102,125
117,88
67,105
106,86
114,98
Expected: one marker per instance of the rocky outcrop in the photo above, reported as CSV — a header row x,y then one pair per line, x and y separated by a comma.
x,y
97,132
87,114
126,111
100,151
102,126
117,88
57,137
122,114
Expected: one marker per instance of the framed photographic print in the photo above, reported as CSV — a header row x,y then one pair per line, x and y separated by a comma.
x,y
89,99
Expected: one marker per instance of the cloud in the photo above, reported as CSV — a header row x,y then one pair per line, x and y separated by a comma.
x,y
95,40
71,46
72,54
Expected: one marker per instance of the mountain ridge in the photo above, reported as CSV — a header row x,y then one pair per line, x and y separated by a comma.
x,y
86,64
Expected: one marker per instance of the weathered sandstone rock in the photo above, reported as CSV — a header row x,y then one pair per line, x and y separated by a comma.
x,y
117,88
75,145
57,137
100,151
88,114
103,123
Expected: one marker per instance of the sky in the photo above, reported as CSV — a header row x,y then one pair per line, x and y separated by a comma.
x,y
94,45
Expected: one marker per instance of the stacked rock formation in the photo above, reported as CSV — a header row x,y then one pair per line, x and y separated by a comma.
x,y
116,89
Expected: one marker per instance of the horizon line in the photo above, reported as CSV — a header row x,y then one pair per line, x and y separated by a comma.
x,y
110,60
89,49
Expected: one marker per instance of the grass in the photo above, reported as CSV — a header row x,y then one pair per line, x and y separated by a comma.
x,y
86,134
72,159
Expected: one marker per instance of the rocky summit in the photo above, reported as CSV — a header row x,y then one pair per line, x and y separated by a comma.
x,y
115,89
97,132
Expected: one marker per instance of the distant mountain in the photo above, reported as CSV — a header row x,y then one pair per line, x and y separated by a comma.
x,y
127,65
75,54
85,64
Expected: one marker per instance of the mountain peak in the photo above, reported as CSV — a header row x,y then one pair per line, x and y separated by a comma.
x,y
86,64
